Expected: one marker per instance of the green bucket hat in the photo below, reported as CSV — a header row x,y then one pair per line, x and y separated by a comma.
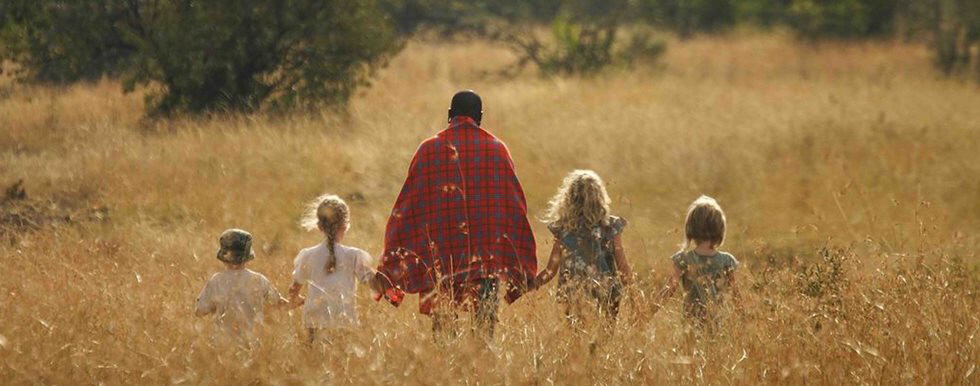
x,y
235,246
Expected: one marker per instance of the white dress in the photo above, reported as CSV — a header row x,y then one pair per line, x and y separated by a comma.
x,y
330,299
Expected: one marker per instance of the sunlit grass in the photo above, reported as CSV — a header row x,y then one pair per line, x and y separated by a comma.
x,y
848,173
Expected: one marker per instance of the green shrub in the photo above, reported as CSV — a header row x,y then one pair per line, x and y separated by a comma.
x,y
687,17
243,55
204,55
58,42
814,19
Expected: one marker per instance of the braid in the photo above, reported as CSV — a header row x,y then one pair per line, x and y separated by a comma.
x,y
331,233
330,214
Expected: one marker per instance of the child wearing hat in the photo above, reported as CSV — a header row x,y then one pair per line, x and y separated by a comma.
x,y
237,295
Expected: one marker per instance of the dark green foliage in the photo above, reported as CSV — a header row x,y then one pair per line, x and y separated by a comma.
x,y
205,55
585,35
238,55
814,19
957,35
64,42
765,13
689,16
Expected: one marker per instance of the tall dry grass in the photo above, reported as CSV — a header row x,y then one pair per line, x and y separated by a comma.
x,y
848,172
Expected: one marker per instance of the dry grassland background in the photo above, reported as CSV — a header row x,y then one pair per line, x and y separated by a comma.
x,y
850,174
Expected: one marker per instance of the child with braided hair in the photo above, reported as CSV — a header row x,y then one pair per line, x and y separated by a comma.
x,y
331,270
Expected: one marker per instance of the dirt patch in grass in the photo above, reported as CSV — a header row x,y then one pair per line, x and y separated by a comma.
x,y
21,213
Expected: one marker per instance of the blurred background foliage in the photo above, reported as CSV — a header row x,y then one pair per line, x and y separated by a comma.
x,y
246,55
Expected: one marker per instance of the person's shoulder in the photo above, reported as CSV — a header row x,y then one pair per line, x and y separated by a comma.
x,y
354,252
429,142
305,253
216,276
680,257
495,141
256,275
727,259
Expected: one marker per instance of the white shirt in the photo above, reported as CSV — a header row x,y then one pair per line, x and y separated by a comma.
x,y
330,297
237,297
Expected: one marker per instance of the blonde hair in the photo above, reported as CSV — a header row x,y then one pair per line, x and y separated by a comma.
x,y
580,204
328,213
705,223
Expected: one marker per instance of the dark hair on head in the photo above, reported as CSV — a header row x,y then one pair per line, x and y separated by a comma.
x,y
466,103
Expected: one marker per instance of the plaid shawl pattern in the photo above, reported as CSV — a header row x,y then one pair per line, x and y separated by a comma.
x,y
461,217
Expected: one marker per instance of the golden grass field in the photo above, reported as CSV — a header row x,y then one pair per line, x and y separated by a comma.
x,y
850,174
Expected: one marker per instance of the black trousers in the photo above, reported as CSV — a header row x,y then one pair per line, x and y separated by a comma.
x,y
484,312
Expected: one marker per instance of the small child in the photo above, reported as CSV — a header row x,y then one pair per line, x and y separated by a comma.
x,y
237,295
588,251
706,273
331,269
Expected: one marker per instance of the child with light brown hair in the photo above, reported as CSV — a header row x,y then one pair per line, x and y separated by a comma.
x,y
588,255
331,269
706,273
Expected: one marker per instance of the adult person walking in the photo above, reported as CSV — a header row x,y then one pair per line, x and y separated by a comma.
x,y
458,232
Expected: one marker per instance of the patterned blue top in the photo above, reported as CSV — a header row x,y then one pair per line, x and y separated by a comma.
x,y
588,257
704,278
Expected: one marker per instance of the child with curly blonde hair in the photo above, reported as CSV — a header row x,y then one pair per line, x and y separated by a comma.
x,y
588,254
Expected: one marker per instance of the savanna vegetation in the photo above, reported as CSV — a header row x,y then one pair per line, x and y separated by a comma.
x,y
839,136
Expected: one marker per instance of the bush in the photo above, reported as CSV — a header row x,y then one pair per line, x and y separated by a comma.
x,y
814,19
239,55
687,17
205,55
957,36
586,35
56,42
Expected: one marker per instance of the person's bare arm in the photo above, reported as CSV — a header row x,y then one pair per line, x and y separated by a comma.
x,y
203,306
623,266
294,299
668,291
199,311
554,261
736,294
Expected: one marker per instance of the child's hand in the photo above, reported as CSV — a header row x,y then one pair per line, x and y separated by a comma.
x,y
536,284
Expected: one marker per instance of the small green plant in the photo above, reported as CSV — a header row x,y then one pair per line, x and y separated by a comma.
x,y
579,48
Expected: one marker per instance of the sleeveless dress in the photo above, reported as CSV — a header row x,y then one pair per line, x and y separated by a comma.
x,y
588,265
704,279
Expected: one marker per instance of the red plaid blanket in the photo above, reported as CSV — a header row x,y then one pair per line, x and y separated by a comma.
x,y
460,217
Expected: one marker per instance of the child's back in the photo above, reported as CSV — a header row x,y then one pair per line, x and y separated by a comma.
x,y
330,299
705,273
588,257
704,278
237,297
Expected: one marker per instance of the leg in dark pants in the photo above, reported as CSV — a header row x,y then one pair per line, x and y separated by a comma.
x,y
486,307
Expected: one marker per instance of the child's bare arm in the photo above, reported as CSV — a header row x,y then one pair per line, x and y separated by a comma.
x,y
280,302
554,261
203,311
294,299
668,291
623,266
203,306
736,294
